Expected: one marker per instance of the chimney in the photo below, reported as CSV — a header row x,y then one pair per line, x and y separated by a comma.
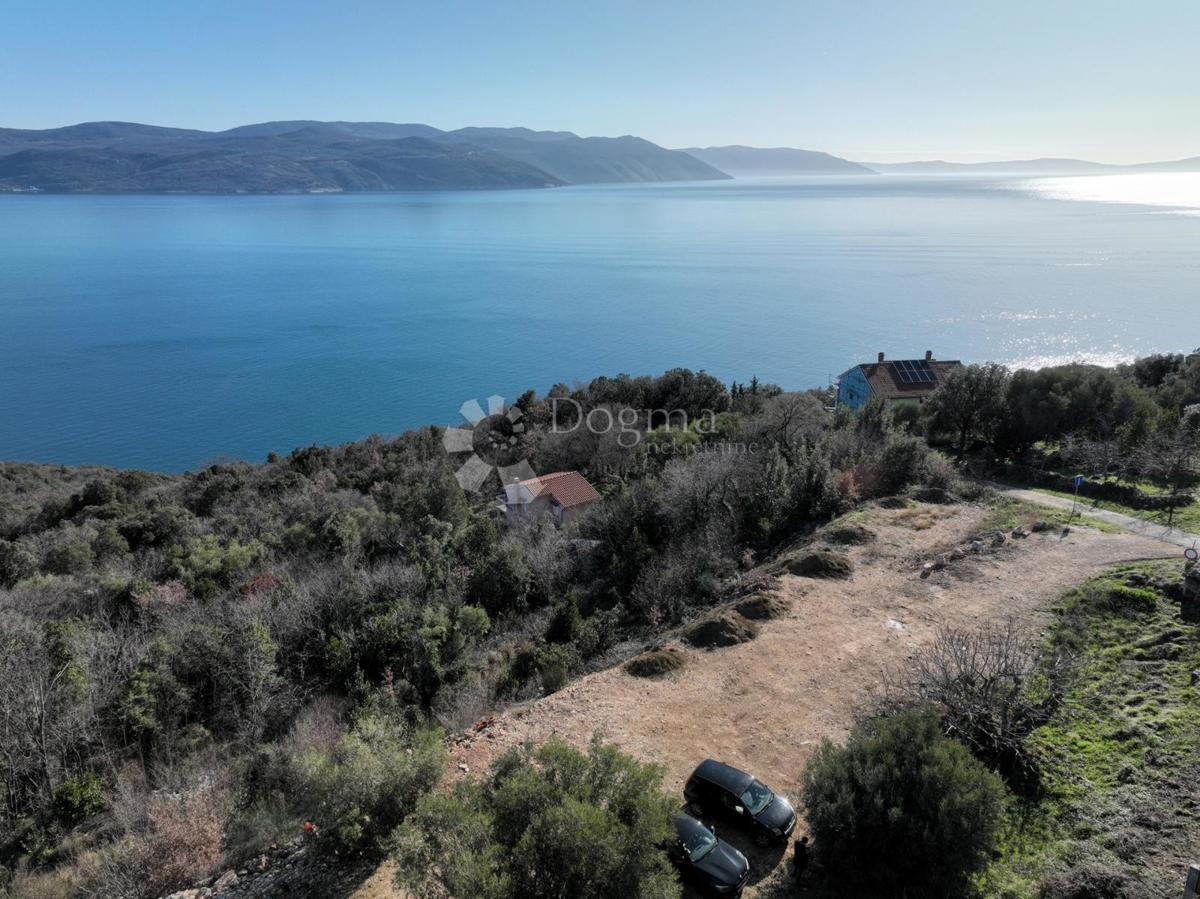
x,y
881,357
929,355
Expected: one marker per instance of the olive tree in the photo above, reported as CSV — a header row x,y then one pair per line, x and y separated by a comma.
x,y
971,404
1172,457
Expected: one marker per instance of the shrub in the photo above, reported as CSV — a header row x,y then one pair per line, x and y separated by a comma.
x,y
554,823
502,582
158,525
207,565
1126,600
16,563
550,664
656,663
109,544
848,535
933,495
78,798
940,472
555,664
904,461
565,622
725,628
764,607
174,840
598,633
258,824
184,843
992,687
370,781
903,806
341,534
821,564
70,556
424,647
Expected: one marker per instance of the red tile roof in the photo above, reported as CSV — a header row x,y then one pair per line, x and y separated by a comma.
x,y
567,488
885,380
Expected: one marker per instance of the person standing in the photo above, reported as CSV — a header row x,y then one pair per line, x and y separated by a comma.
x,y
800,858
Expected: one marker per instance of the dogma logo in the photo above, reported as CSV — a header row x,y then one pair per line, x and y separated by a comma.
x,y
494,442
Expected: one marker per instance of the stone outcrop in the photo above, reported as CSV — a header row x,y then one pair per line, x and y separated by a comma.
x,y
287,872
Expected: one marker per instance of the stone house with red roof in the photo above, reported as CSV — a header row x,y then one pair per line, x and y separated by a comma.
x,y
561,495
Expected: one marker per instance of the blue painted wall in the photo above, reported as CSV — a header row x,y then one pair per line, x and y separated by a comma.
x,y
853,389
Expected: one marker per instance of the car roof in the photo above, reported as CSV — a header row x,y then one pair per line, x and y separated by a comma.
x,y
732,779
686,824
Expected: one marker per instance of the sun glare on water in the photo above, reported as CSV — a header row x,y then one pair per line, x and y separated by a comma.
x,y
1179,191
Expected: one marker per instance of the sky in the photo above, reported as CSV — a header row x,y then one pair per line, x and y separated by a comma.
x,y
965,80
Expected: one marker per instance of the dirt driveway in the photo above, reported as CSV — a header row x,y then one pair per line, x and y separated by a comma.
x,y
766,704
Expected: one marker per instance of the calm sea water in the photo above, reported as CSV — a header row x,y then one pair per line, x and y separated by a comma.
x,y
164,332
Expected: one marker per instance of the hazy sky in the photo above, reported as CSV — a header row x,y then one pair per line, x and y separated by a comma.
x,y
961,79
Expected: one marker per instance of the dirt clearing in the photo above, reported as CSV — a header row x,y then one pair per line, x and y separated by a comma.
x,y
765,704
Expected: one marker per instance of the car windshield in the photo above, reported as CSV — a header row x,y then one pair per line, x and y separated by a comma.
x,y
757,797
697,842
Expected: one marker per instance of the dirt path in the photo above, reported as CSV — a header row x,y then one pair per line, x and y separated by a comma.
x,y
1150,529
765,705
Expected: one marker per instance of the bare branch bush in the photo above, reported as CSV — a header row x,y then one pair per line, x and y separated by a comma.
x,y
993,686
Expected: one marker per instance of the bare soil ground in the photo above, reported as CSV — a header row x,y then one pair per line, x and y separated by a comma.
x,y
764,705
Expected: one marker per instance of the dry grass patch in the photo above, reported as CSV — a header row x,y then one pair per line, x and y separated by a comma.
x,y
727,628
920,518
821,563
938,495
656,662
764,607
848,535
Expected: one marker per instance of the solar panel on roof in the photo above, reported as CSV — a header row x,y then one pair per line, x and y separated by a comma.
x,y
914,371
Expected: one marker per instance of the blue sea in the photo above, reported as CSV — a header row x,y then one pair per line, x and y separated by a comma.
x,y
165,332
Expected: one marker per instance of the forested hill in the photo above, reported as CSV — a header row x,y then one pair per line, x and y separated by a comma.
x,y
315,157
739,161
589,160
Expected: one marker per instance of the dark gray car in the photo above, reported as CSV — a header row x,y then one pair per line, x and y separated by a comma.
x,y
710,864
718,789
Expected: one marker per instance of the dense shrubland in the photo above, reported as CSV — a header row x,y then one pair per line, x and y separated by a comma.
x,y
552,824
280,643
288,637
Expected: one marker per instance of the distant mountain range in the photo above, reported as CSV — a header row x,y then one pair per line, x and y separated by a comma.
x,y
1047,166
318,157
737,160
314,157
742,161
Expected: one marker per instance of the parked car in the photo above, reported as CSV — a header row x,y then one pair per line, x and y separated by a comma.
x,y
718,789
710,864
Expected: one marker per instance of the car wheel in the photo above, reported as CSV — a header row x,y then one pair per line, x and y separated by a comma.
x,y
762,840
